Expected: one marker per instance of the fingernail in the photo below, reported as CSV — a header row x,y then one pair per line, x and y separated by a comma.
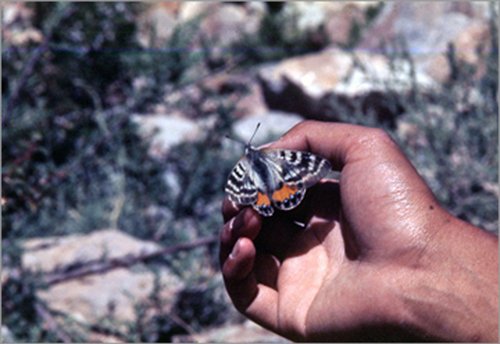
x,y
236,250
266,145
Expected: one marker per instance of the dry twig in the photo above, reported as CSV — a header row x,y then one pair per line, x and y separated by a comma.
x,y
99,268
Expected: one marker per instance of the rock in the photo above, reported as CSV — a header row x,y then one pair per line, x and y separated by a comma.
x,y
272,125
251,103
166,131
411,134
16,13
7,336
192,9
247,332
158,21
339,23
49,254
96,337
309,15
225,25
25,37
92,297
173,182
256,11
172,6
313,85
115,294
222,23
427,29
17,25
336,18
235,85
476,38
297,85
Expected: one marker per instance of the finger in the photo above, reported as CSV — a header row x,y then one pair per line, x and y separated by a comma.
x,y
340,143
276,234
321,200
361,153
247,223
280,230
255,300
244,259
230,209
239,263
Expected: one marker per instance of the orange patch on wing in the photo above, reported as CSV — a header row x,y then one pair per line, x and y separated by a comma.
x,y
284,193
262,199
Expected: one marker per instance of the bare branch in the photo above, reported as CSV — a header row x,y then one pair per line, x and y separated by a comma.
x,y
99,268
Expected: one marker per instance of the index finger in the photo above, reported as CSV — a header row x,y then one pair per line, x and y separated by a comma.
x,y
339,143
230,209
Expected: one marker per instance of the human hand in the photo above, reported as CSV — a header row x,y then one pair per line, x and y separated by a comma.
x,y
377,258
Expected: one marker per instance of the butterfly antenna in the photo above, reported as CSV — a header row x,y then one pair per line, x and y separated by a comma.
x,y
243,143
255,132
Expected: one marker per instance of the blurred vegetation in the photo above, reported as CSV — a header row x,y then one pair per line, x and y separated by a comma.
x,y
73,162
357,29
454,144
279,36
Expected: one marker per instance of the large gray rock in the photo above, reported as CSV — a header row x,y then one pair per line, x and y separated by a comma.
x,y
166,131
312,85
427,29
335,17
88,299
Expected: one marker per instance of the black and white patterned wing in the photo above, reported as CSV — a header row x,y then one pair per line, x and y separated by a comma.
x,y
309,168
298,171
240,187
303,168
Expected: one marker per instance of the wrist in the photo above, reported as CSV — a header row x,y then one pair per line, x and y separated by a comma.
x,y
451,293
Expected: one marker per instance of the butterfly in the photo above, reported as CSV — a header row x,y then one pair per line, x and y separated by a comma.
x,y
269,178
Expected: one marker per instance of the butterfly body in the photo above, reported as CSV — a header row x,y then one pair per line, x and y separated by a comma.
x,y
271,178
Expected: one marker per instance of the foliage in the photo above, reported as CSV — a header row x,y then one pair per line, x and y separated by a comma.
x,y
453,138
61,120
165,68
279,36
460,158
20,309
72,159
195,308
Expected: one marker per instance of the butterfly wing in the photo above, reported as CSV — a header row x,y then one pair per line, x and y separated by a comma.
x,y
240,187
297,171
304,167
263,204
